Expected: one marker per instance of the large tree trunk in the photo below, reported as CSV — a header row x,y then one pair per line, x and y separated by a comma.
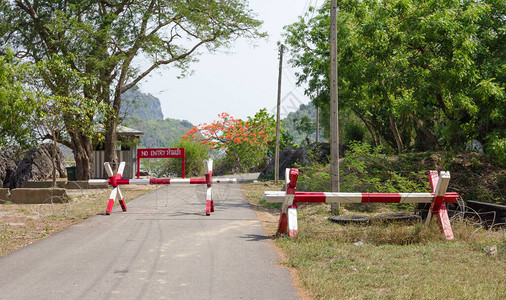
x,y
111,155
110,125
53,184
82,147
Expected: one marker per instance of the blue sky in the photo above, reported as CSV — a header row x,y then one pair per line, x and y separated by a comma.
x,y
241,82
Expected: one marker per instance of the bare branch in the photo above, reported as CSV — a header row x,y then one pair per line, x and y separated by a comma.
x,y
165,62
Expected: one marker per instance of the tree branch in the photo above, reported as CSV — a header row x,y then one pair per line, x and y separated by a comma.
x,y
165,62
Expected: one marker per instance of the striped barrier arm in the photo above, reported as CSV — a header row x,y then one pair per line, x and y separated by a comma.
x,y
116,181
438,196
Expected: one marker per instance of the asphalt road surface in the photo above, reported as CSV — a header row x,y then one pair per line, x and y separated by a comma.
x,y
163,247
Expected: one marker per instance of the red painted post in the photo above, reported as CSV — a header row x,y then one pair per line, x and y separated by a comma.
x,y
439,185
288,217
208,169
138,164
184,163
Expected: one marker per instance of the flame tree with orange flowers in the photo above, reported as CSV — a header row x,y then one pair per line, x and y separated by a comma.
x,y
245,143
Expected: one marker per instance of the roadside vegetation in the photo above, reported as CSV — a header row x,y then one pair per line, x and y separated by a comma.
x,y
386,260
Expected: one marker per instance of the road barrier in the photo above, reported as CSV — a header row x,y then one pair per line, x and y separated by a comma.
x,y
115,181
290,198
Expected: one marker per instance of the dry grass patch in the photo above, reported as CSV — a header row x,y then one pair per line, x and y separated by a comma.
x,y
390,260
23,224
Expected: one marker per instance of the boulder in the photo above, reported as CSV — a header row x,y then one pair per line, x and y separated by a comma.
x,y
37,165
8,158
303,156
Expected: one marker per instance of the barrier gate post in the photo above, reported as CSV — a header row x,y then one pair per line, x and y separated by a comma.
x,y
289,198
116,180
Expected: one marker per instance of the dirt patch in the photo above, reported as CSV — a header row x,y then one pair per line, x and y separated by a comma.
x,y
23,224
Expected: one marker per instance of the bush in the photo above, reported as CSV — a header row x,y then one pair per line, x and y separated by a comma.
x,y
496,149
195,154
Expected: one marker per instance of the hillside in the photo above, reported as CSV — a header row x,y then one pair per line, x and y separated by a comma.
x,y
139,106
143,112
292,120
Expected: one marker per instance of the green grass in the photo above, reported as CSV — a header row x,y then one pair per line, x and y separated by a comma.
x,y
396,261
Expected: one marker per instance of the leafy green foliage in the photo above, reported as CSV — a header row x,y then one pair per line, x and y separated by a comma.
x,y
195,154
292,123
366,170
244,145
17,103
419,75
104,40
497,148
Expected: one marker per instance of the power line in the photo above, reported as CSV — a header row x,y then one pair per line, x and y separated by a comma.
x,y
315,8
293,85
305,8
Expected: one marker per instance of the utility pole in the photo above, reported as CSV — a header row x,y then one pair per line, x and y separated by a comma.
x,y
276,158
334,115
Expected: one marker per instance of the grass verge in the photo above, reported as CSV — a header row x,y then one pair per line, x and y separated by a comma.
x,y
389,260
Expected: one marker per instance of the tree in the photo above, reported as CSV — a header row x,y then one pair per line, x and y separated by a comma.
x,y
117,44
305,126
418,74
245,143
17,103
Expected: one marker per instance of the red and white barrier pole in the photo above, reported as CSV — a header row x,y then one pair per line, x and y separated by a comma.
x,y
331,197
439,185
288,217
208,170
115,181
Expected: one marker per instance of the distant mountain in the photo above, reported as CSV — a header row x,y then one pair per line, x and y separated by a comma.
x,y
140,106
143,112
293,118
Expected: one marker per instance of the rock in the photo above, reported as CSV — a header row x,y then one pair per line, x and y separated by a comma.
x,y
474,146
491,251
289,157
37,165
8,158
359,243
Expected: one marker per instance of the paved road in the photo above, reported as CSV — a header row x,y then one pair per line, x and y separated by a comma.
x,y
164,247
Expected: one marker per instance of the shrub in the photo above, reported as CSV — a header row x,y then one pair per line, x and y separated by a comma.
x,y
496,149
195,153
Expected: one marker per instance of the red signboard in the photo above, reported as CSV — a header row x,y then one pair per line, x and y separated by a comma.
x,y
159,153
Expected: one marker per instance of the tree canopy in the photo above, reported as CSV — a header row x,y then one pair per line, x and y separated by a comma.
x,y
419,74
107,47
17,103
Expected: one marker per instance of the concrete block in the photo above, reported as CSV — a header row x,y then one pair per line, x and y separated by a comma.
x,y
4,195
42,184
77,185
38,196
